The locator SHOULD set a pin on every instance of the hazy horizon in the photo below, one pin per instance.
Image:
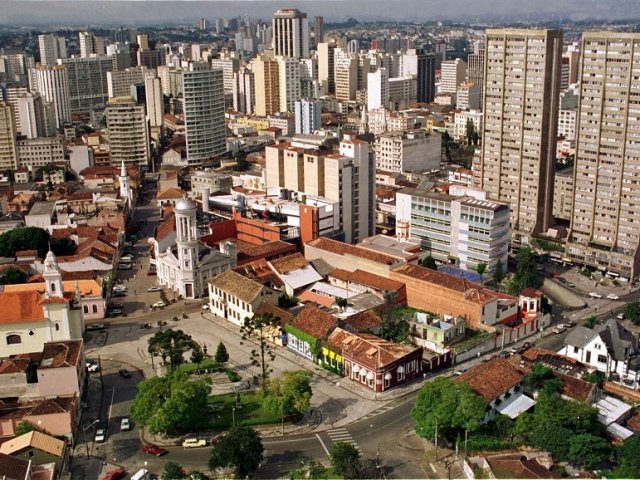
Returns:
(146, 12)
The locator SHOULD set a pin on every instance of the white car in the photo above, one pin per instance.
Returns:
(613, 296)
(155, 288)
(194, 443)
(159, 304)
(119, 288)
(205, 306)
(94, 367)
(101, 435)
(620, 316)
(125, 425)
(595, 295)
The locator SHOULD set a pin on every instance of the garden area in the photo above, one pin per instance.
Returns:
(243, 408)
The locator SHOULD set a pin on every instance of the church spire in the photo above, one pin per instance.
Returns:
(52, 276)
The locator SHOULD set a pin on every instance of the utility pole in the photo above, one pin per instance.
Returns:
(466, 439)
(436, 440)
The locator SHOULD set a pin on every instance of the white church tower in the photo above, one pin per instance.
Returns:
(187, 238)
(52, 276)
(125, 187)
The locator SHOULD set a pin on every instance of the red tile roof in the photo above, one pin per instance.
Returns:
(61, 354)
(277, 312)
(365, 320)
(167, 226)
(315, 322)
(341, 248)
(367, 279)
(492, 379)
(18, 307)
(170, 193)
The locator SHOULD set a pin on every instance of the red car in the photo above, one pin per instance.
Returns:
(554, 275)
(115, 474)
(154, 450)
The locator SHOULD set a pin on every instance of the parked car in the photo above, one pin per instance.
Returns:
(205, 306)
(595, 295)
(158, 304)
(115, 474)
(119, 288)
(101, 432)
(505, 354)
(114, 312)
(554, 275)
(95, 326)
(125, 424)
(118, 294)
(620, 316)
(559, 328)
(151, 449)
(152, 273)
(194, 443)
(458, 372)
(126, 258)
(93, 368)
(124, 373)
(124, 266)
(613, 296)
(154, 288)
(570, 323)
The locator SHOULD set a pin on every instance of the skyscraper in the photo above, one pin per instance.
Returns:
(154, 104)
(87, 81)
(522, 90)
(452, 74)
(318, 30)
(290, 33)
(606, 205)
(8, 149)
(53, 84)
(203, 100)
(128, 131)
(52, 48)
(326, 64)
(378, 89)
(267, 84)
(308, 118)
(416, 62)
(475, 69)
(31, 114)
(243, 91)
(90, 44)
(289, 82)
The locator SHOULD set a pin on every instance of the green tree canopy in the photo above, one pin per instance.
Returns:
(240, 449)
(13, 276)
(172, 345)
(498, 272)
(632, 312)
(24, 427)
(291, 393)
(454, 406)
(185, 408)
(256, 328)
(429, 262)
(589, 451)
(172, 471)
(481, 268)
(151, 395)
(345, 460)
(33, 238)
(221, 354)
(628, 459)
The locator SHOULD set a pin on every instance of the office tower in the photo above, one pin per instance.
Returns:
(8, 150)
(422, 66)
(353, 46)
(606, 205)
(573, 56)
(228, 67)
(143, 41)
(345, 75)
(128, 131)
(87, 81)
(119, 82)
(53, 85)
(150, 59)
(267, 84)
(12, 92)
(203, 113)
(121, 55)
(290, 33)
(154, 101)
(452, 74)
(171, 80)
(90, 44)
(309, 85)
(308, 116)
(289, 82)
(520, 124)
(243, 91)
(402, 92)
(202, 24)
(408, 151)
(52, 48)
(475, 70)
(15, 67)
(318, 30)
(378, 89)
(30, 112)
(326, 63)
(468, 96)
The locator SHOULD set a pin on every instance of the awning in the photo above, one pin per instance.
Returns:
(355, 368)
(370, 376)
(515, 405)
(388, 376)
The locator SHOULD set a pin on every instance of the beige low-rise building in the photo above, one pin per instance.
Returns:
(563, 194)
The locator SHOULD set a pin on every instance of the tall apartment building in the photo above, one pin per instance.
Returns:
(462, 230)
(345, 177)
(452, 74)
(475, 70)
(244, 91)
(128, 131)
(31, 115)
(11, 94)
(203, 113)
(267, 83)
(563, 192)
(604, 229)
(326, 64)
(309, 84)
(409, 151)
(378, 89)
(345, 75)
(154, 104)
(51, 49)
(90, 44)
(290, 33)
(416, 62)
(171, 80)
(520, 124)
(8, 150)
(308, 116)
(468, 96)
(119, 82)
(318, 30)
(289, 83)
(87, 81)
(53, 84)
(403, 91)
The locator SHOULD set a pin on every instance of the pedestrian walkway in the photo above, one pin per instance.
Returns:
(379, 411)
(342, 435)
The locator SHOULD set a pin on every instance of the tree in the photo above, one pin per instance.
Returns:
(553, 438)
(172, 471)
(589, 451)
(13, 276)
(256, 327)
(429, 262)
(221, 354)
(241, 162)
(470, 131)
(290, 394)
(28, 238)
(628, 459)
(197, 355)
(591, 322)
(448, 144)
(526, 268)
(184, 409)
(24, 427)
(151, 395)
(481, 268)
(498, 273)
(345, 460)
(539, 374)
(453, 406)
(240, 449)
(171, 344)
(341, 303)
(632, 312)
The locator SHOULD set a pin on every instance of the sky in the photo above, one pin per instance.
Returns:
(140, 12)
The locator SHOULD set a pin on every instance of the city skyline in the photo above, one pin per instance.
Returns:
(46, 12)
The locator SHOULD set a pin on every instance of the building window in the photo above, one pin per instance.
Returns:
(14, 339)
(85, 309)
(575, 349)
(57, 326)
(95, 309)
(53, 287)
(602, 359)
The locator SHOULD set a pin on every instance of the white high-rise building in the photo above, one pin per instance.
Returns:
(31, 114)
(243, 91)
(90, 44)
(203, 113)
(452, 74)
(228, 67)
(308, 116)
(378, 89)
(289, 82)
(87, 81)
(290, 33)
(8, 149)
(119, 82)
(52, 48)
(128, 131)
(53, 85)
(154, 101)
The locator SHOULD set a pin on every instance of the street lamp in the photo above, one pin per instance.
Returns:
(233, 416)
(84, 434)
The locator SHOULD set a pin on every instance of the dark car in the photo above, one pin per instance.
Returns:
(115, 474)
(124, 373)
(154, 450)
